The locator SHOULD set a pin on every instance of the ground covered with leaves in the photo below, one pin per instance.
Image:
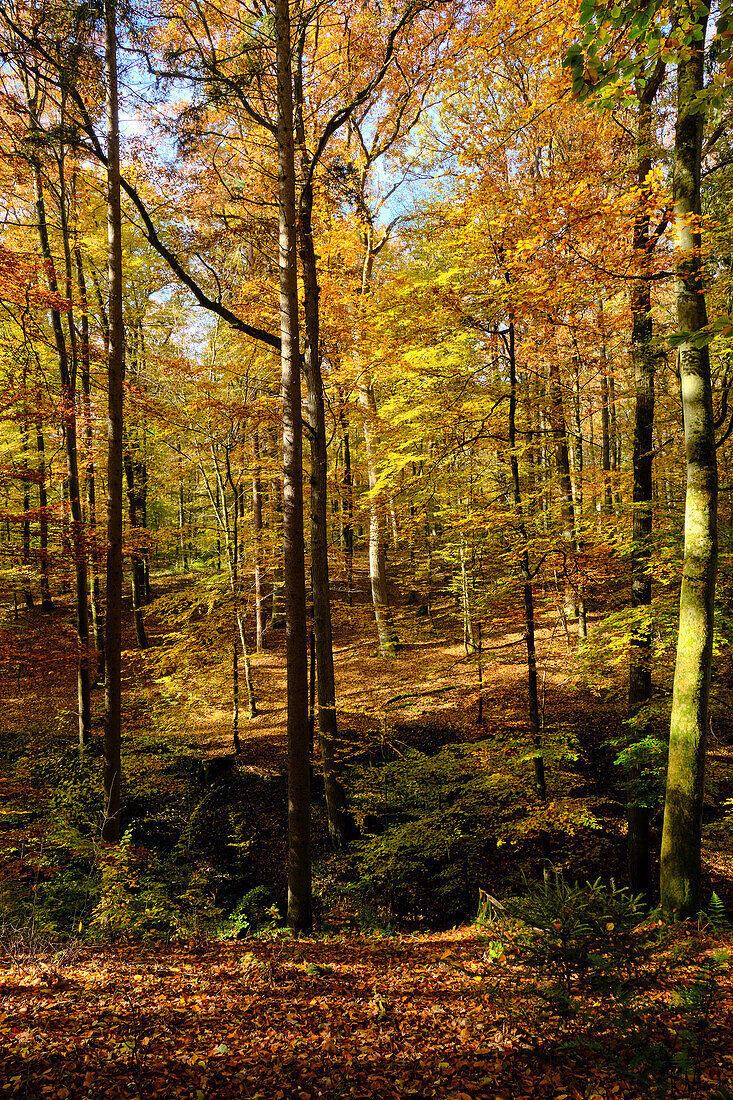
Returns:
(159, 967)
(453, 1015)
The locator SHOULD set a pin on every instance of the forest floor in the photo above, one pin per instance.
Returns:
(440, 1015)
(448, 1014)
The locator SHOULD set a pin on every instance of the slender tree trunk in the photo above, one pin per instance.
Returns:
(46, 601)
(347, 497)
(565, 486)
(388, 641)
(681, 838)
(605, 417)
(248, 681)
(136, 479)
(577, 439)
(338, 818)
(115, 369)
(615, 437)
(529, 620)
(469, 639)
(299, 842)
(640, 678)
(27, 591)
(96, 599)
(233, 549)
(277, 621)
(257, 525)
(182, 545)
(235, 698)
(145, 551)
(138, 563)
(578, 494)
(67, 373)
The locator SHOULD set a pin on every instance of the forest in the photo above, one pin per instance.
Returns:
(366, 576)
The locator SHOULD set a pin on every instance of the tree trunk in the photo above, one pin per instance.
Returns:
(640, 680)
(529, 621)
(615, 438)
(681, 838)
(347, 498)
(138, 562)
(257, 526)
(233, 548)
(46, 601)
(27, 590)
(607, 505)
(469, 638)
(578, 495)
(96, 600)
(182, 546)
(565, 486)
(338, 818)
(235, 698)
(115, 370)
(78, 547)
(299, 843)
(388, 641)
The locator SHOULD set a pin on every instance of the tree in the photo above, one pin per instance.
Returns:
(643, 361)
(115, 375)
(43, 155)
(681, 837)
(299, 855)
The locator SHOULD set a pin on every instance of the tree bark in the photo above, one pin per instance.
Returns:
(681, 838)
(339, 826)
(257, 526)
(138, 562)
(299, 841)
(115, 372)
(578, 494)
(233, 549)
(388, 640)
(565, 485)
(96, 599)
(607, 505)
(27, 590)
(46, 601)
(528, 597)
(347, 501)
(640, 680)
(68, 396)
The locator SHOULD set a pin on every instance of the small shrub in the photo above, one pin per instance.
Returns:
(252, 912)
(428, 833)
(582, 938)
(143, 897)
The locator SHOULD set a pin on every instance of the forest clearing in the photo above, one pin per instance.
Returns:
(365, 549)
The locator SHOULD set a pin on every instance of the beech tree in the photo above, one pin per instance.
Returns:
(115, 374)
(680, 859)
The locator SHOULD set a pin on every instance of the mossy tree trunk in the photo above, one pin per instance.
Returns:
(681, 839)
